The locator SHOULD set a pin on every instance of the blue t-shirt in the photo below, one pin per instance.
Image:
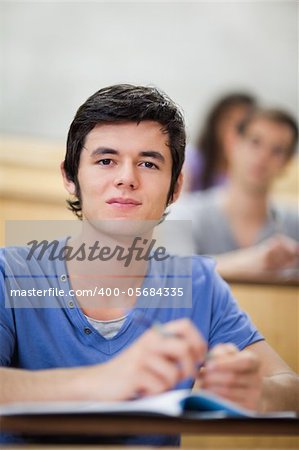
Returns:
(51, 332)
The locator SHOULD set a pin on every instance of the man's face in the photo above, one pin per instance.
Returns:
(124, 172)
(261, 153)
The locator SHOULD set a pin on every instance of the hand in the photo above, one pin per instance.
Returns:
(233, 375)
(258, 262)
(155, 363)
(277, 253)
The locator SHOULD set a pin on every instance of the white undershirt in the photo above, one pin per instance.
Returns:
(107, 328)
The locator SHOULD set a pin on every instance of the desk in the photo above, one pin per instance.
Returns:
(111, 425)
(274, 309)
(230, 434)
(88, 447)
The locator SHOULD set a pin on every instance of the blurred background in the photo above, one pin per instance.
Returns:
(55, 54)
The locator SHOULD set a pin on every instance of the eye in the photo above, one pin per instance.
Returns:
(149, 165)
(255, 141)
(279, 152)
(105, 162)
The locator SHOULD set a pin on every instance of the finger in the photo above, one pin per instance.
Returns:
(149, 384)
(242, 397)
(171, 347)
(184, 329)
(166, 370)
(242, 362)
(229, 379)
(290, 245)
(221, 350)
(285, 257)
(180, 353)
(281, 252)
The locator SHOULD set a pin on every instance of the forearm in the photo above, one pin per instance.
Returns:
(45, 385)
(259, 261)
(280, 392)
(236, 264)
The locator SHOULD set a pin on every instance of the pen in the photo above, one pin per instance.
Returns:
(156, 325)
(160, 328)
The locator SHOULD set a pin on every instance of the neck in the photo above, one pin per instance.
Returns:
(113, 266)
(111, 255)
(245, 203)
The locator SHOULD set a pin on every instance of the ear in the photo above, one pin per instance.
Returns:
(68, 184)
(178, 187)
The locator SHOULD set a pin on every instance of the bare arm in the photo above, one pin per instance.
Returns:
(18, 385)
(153, 364)
(255, 378)
(280, 385)
(271, 256)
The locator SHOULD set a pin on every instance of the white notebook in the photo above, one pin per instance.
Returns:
(173, 404)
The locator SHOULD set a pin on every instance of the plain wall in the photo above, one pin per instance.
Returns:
(55, 54)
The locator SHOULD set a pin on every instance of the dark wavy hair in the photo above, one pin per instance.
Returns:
(208, 142)
(118, 104)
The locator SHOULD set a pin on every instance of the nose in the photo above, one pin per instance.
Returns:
(264, 154)
(127, 177)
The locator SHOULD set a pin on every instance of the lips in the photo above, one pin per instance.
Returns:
(120, 201)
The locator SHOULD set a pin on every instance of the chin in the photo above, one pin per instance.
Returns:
(124, 226)
(258, 188)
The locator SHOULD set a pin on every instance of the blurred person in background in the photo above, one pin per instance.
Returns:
(238, 223)
(207, 162)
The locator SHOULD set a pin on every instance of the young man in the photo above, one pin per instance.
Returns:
(125, 152)
(250, 236)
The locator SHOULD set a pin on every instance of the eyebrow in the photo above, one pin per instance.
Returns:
(110, 151)
(103, 151)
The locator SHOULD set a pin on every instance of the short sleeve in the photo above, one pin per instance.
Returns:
(7, 329)
(229, 322)
(218, 313)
